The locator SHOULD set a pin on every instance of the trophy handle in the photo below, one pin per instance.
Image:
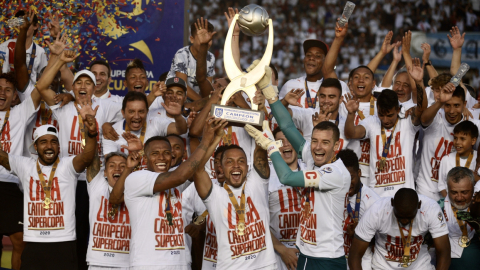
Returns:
(238, 80)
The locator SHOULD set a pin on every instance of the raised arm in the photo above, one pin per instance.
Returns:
(175, 109)
(204, 37)
(20, 55)
(186, 170)
(236, 36)
(442, 250)
(456, 40)
(352, 131)
(199, 122)
(328, 68)
(397, 57)
(94, 168)
(386, 48)
(116, 196)
(429, 113)
(416, 72)
(48, 95)
(84, 159)
(432, 72)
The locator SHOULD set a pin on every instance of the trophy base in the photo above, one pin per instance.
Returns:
(236, 116)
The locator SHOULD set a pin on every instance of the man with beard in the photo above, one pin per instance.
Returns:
(439, 122)
(464, 244)
(247, 222)
(108, 250)
(320, 240)
(153, 198)
(102, 72)
(137, 122)
(285, 204)
(72, 134)
(49, 203)
(391, 137)
(360, 199)
(399, 225)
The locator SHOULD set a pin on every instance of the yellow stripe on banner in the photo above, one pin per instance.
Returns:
(112, 251)
(44, 229)
(170, 248)
(400, 183)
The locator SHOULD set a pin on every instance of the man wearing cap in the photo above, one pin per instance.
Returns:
(72, 135)
(49, 197)
(315, 51)
(135, 111)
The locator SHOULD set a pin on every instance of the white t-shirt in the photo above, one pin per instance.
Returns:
(70, 136)
(379, 221)
(437, 142)
(361, 147)
(39, 62)
(12, 137)
(185, 62)
(454, 231)
(154, 242)
(313, 88)
(109, 243)
(254, 250)
(285, 204)
(321, 234)
(108, 95)
(407, 104)
(56, 224)
(398, 171)
(241, 138)
(368, 198)
(449, 162)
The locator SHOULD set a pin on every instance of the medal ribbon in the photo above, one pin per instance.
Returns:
(7, 115)
(200, 219)
(406, 242)
(311, 103)
(469, 160)
(32, 58)
(462, 224)
(372, 109)
(227, 138)
(82, 129)
(240, 210)
(386, 144)
(354, 215)
(47, 187)
(45, 113)
(168, 209)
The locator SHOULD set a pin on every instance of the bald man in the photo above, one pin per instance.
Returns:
(399, 225)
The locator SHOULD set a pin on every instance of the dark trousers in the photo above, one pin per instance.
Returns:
(52, 256)
(82, 223)
(310, 263)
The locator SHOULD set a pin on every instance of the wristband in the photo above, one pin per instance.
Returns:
(92, 135)
(272, 148)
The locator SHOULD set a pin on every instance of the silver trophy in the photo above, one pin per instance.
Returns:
(462, 70)
(347, 12)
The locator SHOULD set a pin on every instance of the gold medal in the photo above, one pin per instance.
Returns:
(241, 228)
(405, 261)
(47, 202)
(382, 163)
(199, 220)
(113, 211)
(464, 241)
(306, 210)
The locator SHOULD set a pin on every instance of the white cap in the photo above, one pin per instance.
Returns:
(85, 72)
(39, 132)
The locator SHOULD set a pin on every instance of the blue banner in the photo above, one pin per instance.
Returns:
(150, 30)
(441, 55)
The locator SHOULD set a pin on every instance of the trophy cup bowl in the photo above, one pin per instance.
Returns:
(254, 20)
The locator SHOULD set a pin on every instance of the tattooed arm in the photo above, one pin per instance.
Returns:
(260, 162)
(94, 168)
(416, 72)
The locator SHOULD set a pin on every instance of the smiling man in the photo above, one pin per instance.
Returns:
(101, 70)
(136, 76)
(391, 138)
(439, 122)
(49, 186)
(153, 198)
(399, 225)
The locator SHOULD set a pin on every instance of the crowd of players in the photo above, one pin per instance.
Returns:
(340, 174)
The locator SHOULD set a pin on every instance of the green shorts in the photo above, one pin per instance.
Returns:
(311, 263)
(470, 259)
